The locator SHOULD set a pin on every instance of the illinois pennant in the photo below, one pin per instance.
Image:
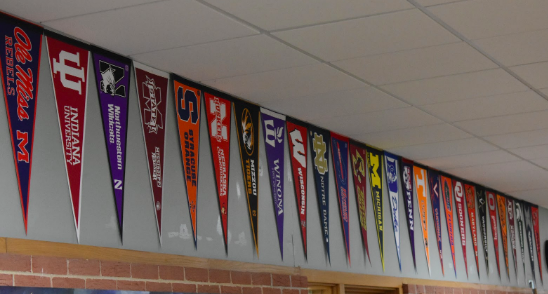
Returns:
(435, 201)
(459, 200)
(188, 103)
(529, 232)
(374, 164)
(501, 203)
(358, 156)
(296, 138)
(492, 204)
(391, 169)
(152, 91)
(421, 186)
(20, 68)
(339, 147)
(512, 229)
(273, 130)
(247, 127)
(406, 172)
(447, 192)
(482, 212)
(470, 192)
(534, 214)
(218, 123)
(69, 72)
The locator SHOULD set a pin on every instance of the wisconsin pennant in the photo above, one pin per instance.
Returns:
(218, 114)
(512, 229)
(296, 138)
(69, 71)
(391, 162)
(319, 147)
(459, 201)
(492, 204)
(358, 156)
(529, 234)
(339, 147)
(470, 194)
(152, 88)
(447, 192)
(20, 70)
(188, 105)
(406, 172)
(521, 234)
(435, 201)
(421, 186)
(534, 214)
(273, 130)
(501, 203)
(374, 164)
(482, 213)
(247, 128)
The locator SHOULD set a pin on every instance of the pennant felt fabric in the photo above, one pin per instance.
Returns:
(112, 77)
(69, 71)
(501, 204)
(374, 165)
(534, 214)
(247, 127)
(482, 213)
(519, 222)
(296, 138)
(273, 131)
(218, 114)
(358, 156)
(406, 174)
(447, 192)
(459, 201)
(512, 230)
(492, 205)
(20, 69)
(529, 234)
(435, 191)
(421, 186)
(391, 162)
(470, 194)
(339, 149)
(319, 147)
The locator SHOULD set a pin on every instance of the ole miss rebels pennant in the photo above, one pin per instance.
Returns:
(339, 147)
(20, 69)
(470, 194)
(374, 165)
(501, 203)
(534, 214)
(391, 162)
(421, 186)
(459, 200)
(69, 71)
(435, 201)
(529, 235)
(152, 87)
(447, 192)
(296, 138)
(319, 147)
(188, 105)
(247, 127)
(358, 156)
(218, 114)
(482, 213)
(512, 229)
(406, 173)
(273, 130)
(521, 234)
(112, 77)
(492, 205)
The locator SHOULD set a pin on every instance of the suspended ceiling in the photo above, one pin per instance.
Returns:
(457, 85)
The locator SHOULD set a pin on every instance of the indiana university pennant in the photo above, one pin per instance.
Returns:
(69, 71)
(501, 204)
(470, 194)
(482, 213)
(152, 88)
(298, 144)
(247, 128)
(374, 165)
(519, 222)
(339, 148)
(391, 162)
(273, 131)
(319, 147)
(447, 192)
(492, 205)
(459, 201)
(512, 229)
(435, 190)
(20, 69)
(358, 156)
(529, 234)
(421, 186)
(188, 103)
(218, 113)
(406, 172)
(534, 214)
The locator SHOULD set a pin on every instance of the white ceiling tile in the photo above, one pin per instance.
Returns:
(531, 152)
(484, 107)
(542, 162)
(287, 83)
(154, 26)
(468, 160)
(413, 136)
(520, 139)
(347, 102)
(417, 64)
(444, 149)
(227, 58)
(39, 11)
(519, 48)
(436, 2)
(377, 121)
(535, 74)
(282, 14)
(545, 91)
(537, 196)
(506, 124)
(391, 32)
(488, 18)
(456, 87)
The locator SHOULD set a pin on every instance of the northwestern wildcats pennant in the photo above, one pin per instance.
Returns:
(435, 201)
(492, 205)
(534, 214)
(406, 173)
(501, 203)
(421, 186)
(391, 168)
(20, 69)
(459, 201)
(470, 193)
(374, 164)
(339, 147)
(447, 192)
(358, 156)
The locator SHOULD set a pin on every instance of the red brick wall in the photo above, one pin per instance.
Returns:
(57, 272)
(424, 289)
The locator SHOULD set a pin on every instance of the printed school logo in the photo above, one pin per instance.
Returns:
(391, 174)
(219, 128)
(153, 97)
(111, 75)
(64, 70)
(319, 160)
(247, 132)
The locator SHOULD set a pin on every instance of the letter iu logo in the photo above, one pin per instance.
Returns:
(64, 69)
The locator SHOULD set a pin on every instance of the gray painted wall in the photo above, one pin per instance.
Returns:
(51, 219)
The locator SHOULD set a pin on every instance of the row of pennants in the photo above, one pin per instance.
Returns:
(68, 59)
